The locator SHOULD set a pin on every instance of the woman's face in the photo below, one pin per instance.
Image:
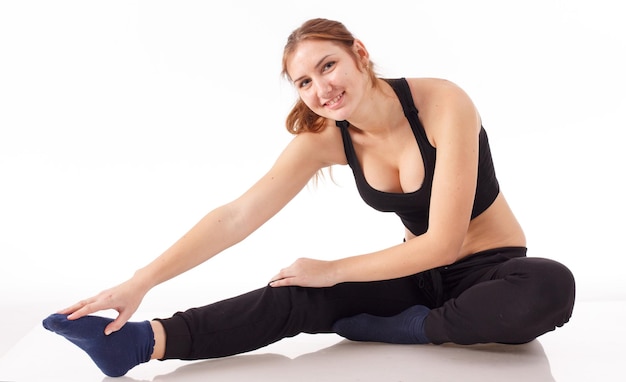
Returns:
(327, 78)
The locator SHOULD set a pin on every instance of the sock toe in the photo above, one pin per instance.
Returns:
(114, 354)
(55, 322)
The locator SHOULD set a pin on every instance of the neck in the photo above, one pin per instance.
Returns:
(379, 112)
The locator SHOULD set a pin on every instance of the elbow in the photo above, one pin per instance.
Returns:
(447, 249)
(449, 258)
(232, 222)
(444, 257)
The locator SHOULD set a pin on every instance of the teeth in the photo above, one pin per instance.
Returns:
(334, 100)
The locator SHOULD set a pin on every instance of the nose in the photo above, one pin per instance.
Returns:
(323, 88)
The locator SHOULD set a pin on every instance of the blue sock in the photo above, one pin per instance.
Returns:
(404, 328)
(114, 354)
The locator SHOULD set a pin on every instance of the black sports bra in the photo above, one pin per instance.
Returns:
(413, 207)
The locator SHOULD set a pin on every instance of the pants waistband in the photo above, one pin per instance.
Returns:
(482, 258)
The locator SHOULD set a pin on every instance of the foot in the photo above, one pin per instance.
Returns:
(115, 353)
(404, 328)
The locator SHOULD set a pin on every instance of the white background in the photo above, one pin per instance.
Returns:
(123, 122)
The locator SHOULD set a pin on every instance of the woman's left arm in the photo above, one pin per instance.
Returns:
(453, 125)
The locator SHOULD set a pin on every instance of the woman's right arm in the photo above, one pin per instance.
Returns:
(222, 227)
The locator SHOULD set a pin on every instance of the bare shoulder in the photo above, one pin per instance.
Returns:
(429, 92)
(324, 147)
(442, 103)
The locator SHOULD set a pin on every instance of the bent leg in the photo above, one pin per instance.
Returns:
(515, 302)
(266, 315)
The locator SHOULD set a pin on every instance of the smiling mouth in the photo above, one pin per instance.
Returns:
(334, 100)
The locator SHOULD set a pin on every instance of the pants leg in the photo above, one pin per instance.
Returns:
(511, 302)
(266, 315)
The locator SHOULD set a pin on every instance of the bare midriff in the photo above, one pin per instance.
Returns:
(496, 227)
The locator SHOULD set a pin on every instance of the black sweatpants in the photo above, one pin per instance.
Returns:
(498, 295)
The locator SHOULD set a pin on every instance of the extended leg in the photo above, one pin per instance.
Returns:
(263, 316)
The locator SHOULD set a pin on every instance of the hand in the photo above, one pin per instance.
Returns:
(124, 298)
(307, 273)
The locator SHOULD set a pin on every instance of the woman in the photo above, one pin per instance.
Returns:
(416, 147)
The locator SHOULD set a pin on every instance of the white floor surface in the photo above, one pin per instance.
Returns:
(589, 347)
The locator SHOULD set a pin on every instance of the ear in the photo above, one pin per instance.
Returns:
(361, 52)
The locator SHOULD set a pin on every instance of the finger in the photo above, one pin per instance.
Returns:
(89, 308)
(276, 278)
(85, 310)
(283, 274)
(79, 305)
(117, 324)
(285, 281)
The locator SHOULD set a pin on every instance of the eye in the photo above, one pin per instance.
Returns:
(328, 66)
(304, 83)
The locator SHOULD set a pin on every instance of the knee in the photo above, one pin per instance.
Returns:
(291, 307)
(556, 283)
(550, 289)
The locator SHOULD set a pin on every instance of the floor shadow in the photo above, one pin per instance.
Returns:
(354, 361)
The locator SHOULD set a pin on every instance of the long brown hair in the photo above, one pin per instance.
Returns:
(302, 119)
